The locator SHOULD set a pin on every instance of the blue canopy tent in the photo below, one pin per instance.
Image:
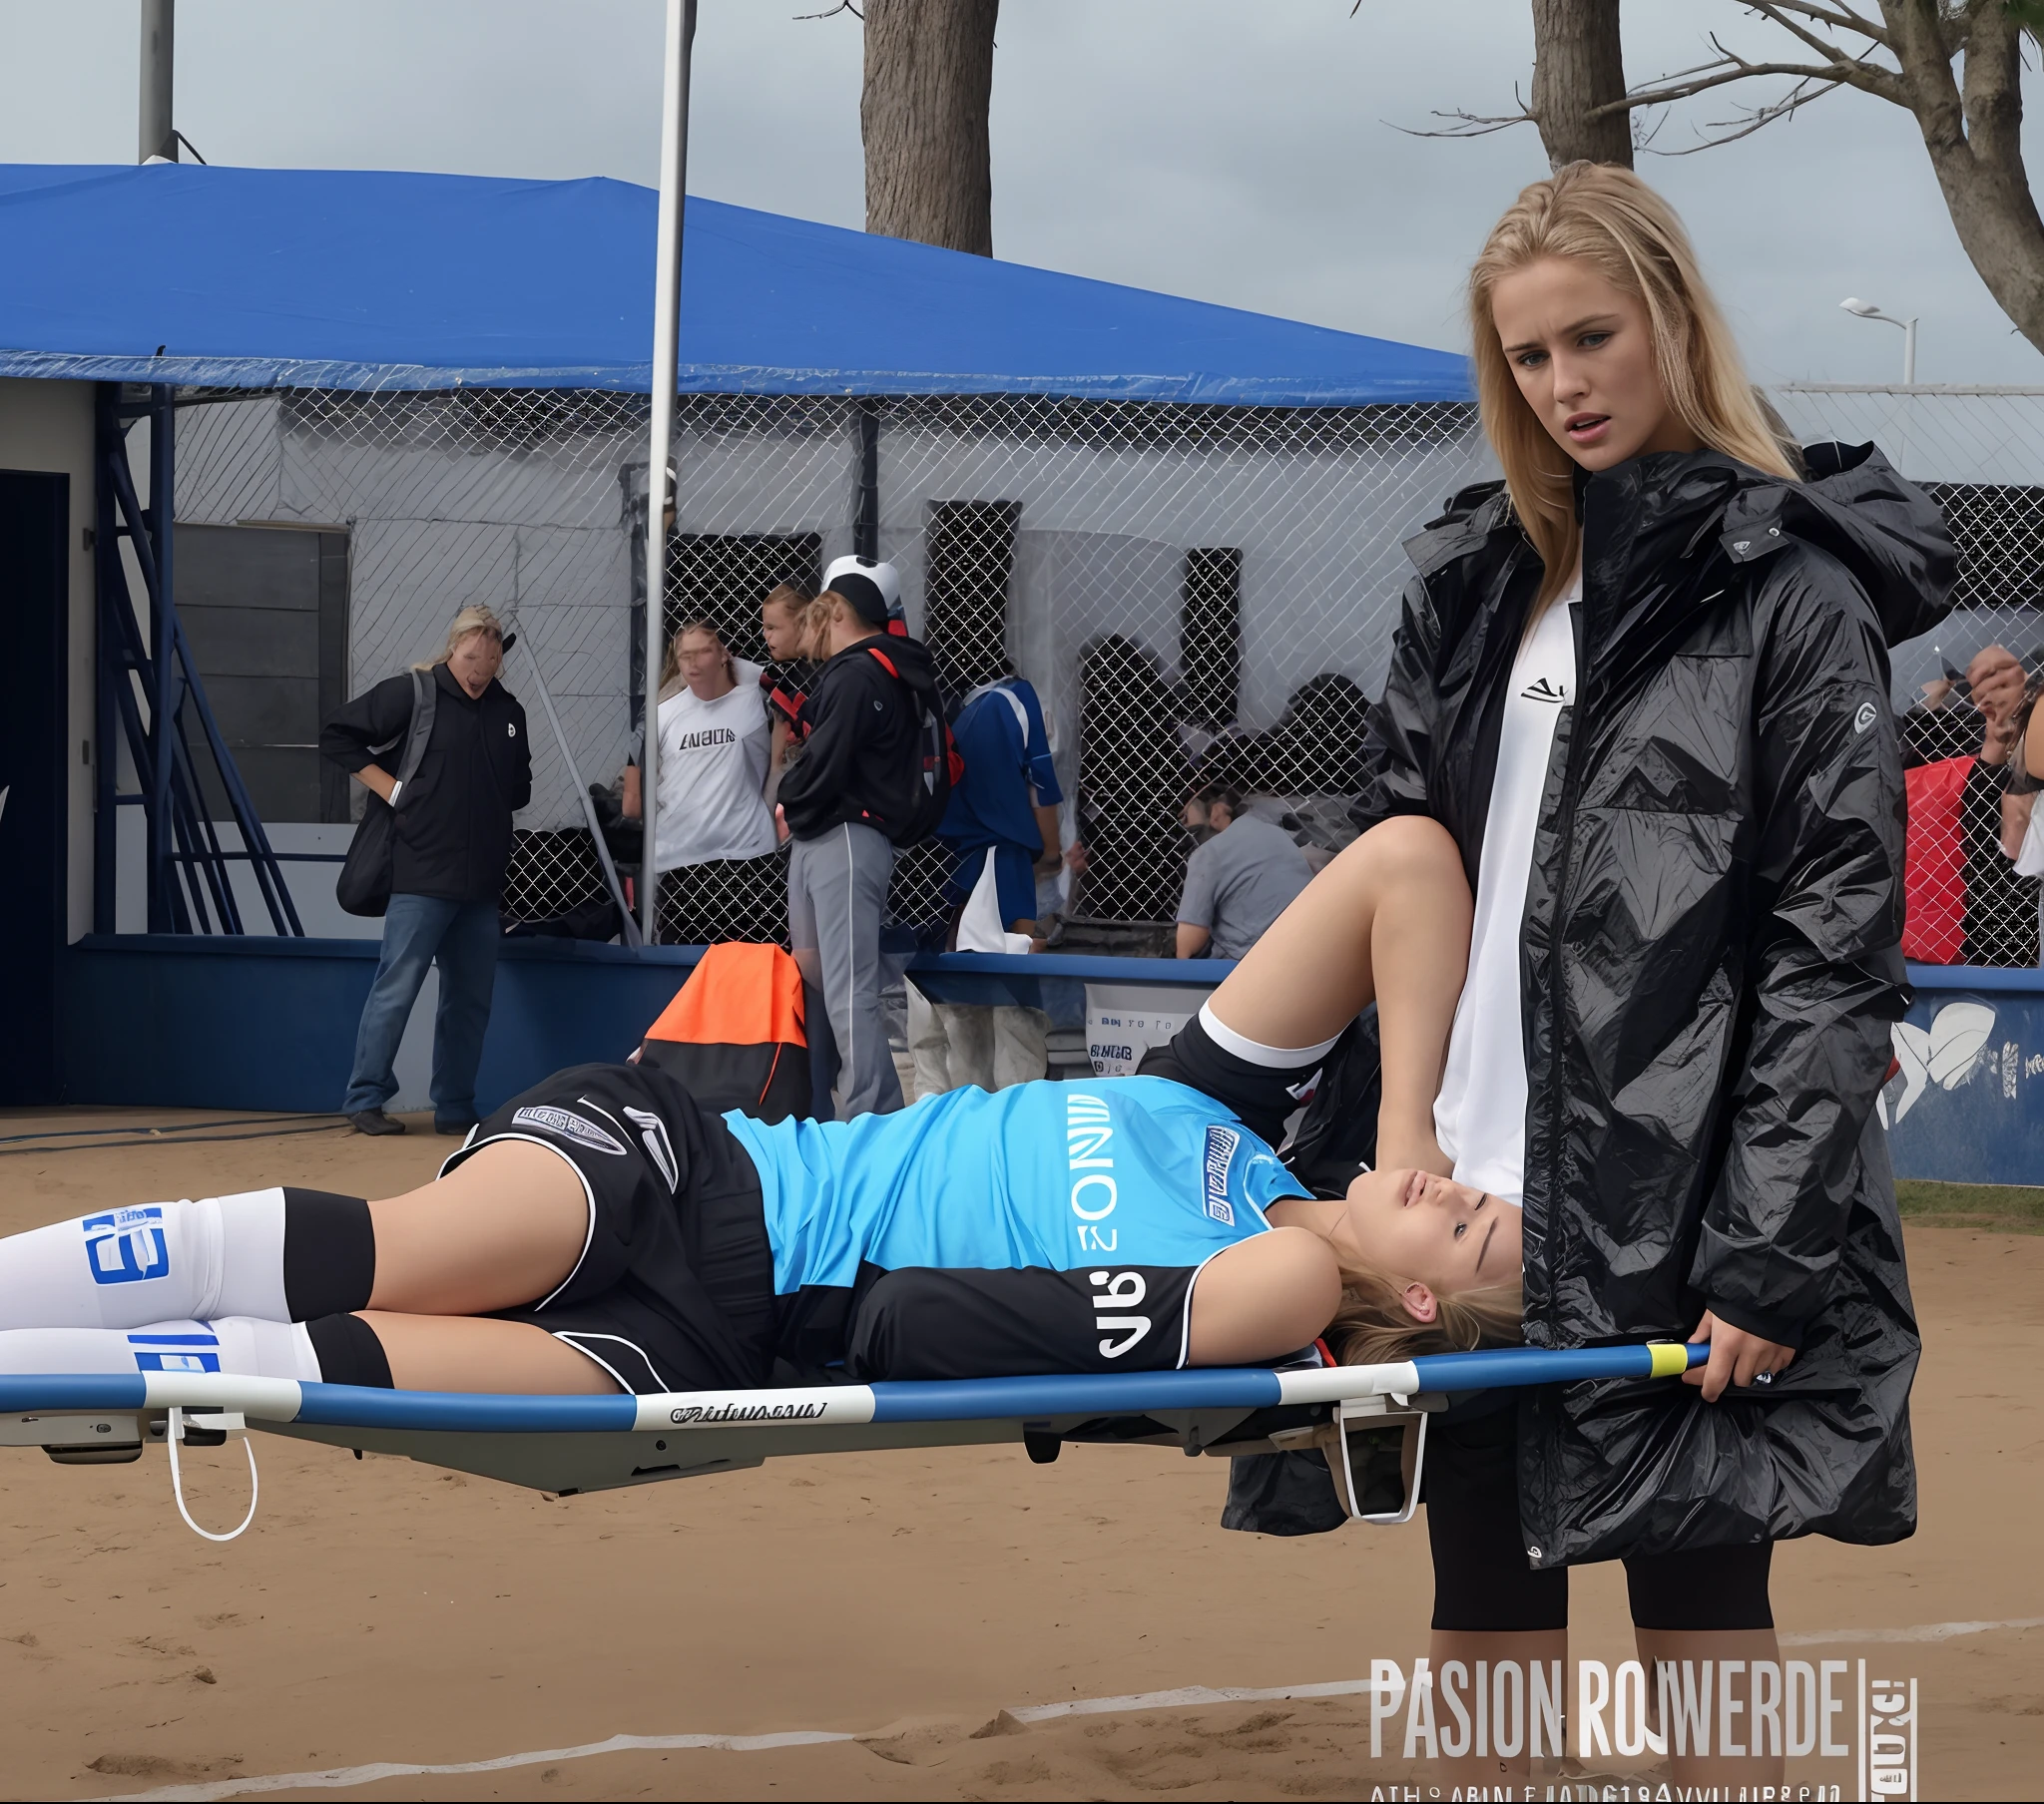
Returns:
(451, 372)
(322, 278)
(203, 282)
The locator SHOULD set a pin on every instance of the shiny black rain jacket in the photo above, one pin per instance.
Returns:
(1712, 966)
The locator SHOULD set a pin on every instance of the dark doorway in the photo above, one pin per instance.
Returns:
(35, 510)
(1210, 634)
(266, 610)
(723, 577)
(971, 554)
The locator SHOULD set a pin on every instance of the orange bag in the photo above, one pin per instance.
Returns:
(733, 1034)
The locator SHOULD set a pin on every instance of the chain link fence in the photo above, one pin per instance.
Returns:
(1199, 594)
(1979, 454)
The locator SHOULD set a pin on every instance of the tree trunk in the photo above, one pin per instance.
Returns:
(929, 79)
(1974, 137)
(1577, 66)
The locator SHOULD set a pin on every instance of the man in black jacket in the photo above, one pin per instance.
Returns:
(843, 801)
(453, 840)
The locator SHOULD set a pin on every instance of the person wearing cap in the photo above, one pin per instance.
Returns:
(452, 844)
(842, 802)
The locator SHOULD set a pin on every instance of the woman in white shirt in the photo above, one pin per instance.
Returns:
(721, 875)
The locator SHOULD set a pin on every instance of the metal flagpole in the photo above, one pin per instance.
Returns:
(667, 296)
(156, 138)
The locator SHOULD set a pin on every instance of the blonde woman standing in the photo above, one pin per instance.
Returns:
(452, 844)
(1644, 685)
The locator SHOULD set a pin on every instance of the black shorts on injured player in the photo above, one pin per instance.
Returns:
(674, 1287)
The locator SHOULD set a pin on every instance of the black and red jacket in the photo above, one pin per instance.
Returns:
(785, 684)
(862, 759)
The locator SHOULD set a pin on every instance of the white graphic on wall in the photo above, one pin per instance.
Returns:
(1945, 1054)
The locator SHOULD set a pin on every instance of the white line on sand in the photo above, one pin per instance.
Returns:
(334, 1778)
(1187, 1694)
(338, 1779)
(1922, 1632)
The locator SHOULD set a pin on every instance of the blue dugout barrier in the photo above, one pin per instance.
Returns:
(249, 1023)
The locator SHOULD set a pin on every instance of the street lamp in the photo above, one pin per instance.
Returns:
(1866, 309)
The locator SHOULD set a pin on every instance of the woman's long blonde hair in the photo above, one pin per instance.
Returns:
(474, 618)
(1371, 1327)
(1610, 220)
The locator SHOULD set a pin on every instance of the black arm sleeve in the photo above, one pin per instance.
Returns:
(1826, 977)
(920, 1322)
(1399, 740)
(375, 717)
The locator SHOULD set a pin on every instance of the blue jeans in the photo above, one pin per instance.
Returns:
(417, 931)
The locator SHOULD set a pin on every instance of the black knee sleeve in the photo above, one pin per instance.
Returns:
(1264, 1096)
(349, 1351)
(1707, 1588)
(329, 1254)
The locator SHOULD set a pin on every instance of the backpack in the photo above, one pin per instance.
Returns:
(734, 1036)
(940, 766)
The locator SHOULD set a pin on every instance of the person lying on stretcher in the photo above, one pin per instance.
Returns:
(603, 1231)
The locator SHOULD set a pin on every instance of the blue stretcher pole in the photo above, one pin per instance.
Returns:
(795, 1408)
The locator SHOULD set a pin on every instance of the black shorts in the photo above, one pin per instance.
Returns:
(674, 1287)
(1483, 1584)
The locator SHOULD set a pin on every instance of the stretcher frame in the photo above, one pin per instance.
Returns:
(564, 1446)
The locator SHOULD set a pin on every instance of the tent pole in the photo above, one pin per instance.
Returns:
(667, 298)
(865, 526)
(154, 133)
(163, 633)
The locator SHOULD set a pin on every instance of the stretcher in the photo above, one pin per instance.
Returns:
(1368, 1421)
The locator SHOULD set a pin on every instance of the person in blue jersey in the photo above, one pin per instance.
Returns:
(1004, 811)
(605, 1231)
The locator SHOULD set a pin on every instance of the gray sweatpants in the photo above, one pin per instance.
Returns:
(836, 889)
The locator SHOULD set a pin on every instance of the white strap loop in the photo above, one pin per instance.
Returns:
(177, 1427)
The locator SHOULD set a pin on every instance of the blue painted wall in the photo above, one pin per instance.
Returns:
(270, 1024)
(1967, 1105)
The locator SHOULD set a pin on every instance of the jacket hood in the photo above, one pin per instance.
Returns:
(1854, 505)
(910, 659)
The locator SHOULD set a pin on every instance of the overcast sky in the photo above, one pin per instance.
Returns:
(1235, 151)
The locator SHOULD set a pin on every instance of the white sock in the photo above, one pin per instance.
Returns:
(152, 1262)
(1254, 1052)
(242, 1344)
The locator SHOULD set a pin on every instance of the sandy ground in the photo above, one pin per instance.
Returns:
(385, 1612)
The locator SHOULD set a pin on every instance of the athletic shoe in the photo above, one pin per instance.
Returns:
(441, 1126)
(373, 1120)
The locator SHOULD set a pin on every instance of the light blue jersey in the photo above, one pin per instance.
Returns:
(1134, 1171)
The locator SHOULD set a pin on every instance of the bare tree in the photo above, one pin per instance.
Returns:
(1578, 71)
(1579, 88)
(929, 75)
(1955, 66)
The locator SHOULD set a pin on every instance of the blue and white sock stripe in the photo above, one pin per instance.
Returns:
(990, 1399)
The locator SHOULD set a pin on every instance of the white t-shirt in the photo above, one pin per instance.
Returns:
(712, 772)
(1479, 1117)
